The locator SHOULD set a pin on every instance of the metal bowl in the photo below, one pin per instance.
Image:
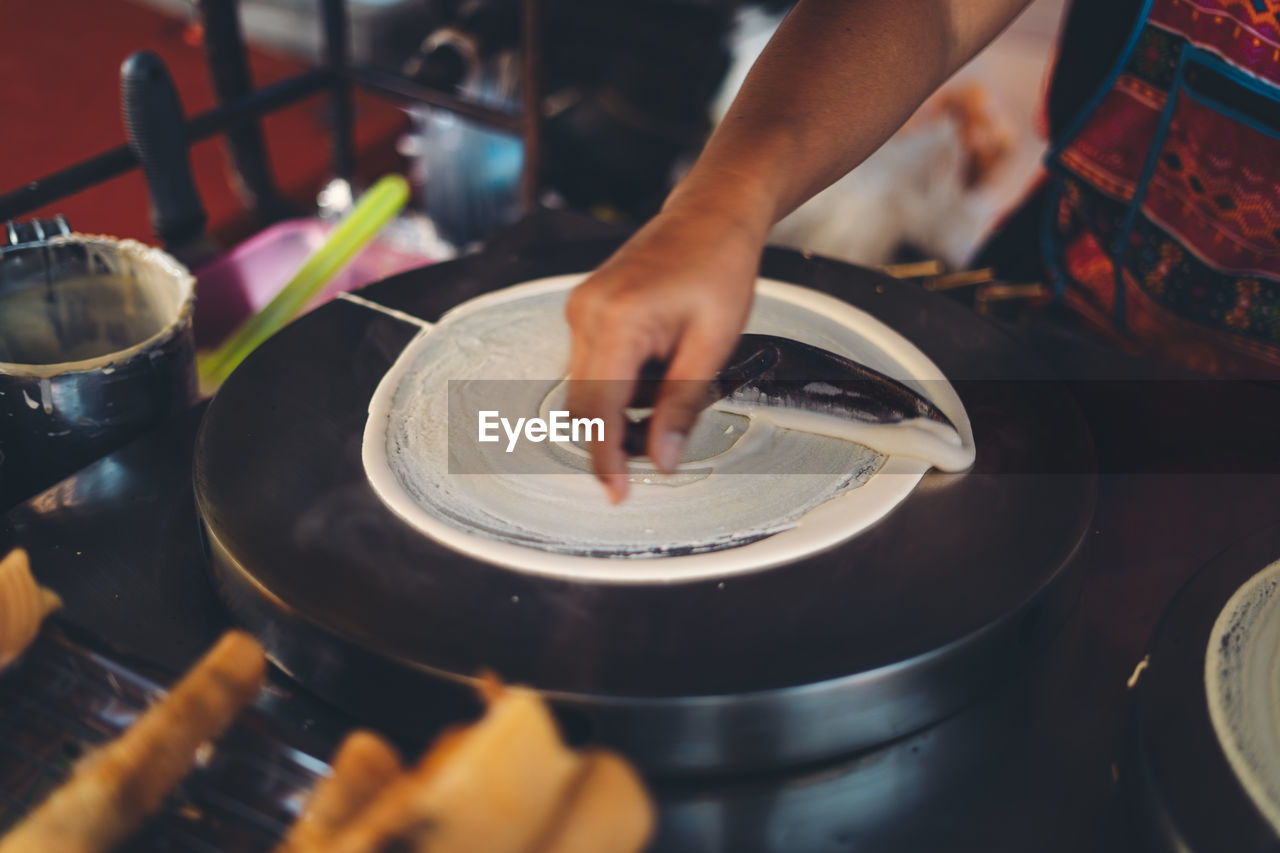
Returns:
(95, 349)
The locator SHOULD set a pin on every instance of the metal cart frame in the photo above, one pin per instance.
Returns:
(336, 75)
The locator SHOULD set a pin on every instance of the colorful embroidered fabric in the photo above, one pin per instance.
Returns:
(1166, 225)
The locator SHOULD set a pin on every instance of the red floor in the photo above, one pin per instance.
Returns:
(59, 98)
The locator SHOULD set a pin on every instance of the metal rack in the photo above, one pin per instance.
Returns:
(337, 75)
(63, 700)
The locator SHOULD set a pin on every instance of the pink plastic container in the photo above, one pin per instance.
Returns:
(243, 280)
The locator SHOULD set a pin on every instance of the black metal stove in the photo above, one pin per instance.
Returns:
(1030, 764)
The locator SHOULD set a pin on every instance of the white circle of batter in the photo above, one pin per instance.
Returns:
(1242, 684)
(406, 459)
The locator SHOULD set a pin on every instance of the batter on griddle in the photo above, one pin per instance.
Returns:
(749, 494)
(543, 496)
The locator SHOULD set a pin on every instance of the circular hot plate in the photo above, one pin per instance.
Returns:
(846, 648)
(1187, 795)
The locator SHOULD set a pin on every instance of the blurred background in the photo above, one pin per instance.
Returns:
(629, 92)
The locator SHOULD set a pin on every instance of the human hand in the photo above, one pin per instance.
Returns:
(678, 291)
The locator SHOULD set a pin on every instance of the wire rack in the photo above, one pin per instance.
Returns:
(61, 700)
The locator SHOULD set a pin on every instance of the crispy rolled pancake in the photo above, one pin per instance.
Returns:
(116, 787)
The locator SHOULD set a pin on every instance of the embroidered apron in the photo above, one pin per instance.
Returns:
(1163, 223)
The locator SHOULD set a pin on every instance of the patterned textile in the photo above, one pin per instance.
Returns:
(1166, 226)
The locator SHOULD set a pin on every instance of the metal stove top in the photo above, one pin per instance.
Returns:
(1032, 765)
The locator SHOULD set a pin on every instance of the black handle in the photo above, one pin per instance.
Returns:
(156, 126)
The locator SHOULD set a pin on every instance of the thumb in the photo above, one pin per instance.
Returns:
(684, 395)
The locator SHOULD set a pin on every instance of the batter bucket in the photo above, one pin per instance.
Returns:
(95, 348)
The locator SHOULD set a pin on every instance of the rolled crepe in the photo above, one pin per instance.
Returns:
(119, 785)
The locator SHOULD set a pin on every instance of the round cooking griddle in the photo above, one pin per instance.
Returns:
(732, 509)
(1188, 797)
(847, 648)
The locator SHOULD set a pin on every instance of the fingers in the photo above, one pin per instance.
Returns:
(602, 373)
(601, 398)
(678, 291)
(700, 354)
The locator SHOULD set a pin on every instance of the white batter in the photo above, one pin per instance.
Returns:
(136, 296)
(742, 507)
(1242, 684)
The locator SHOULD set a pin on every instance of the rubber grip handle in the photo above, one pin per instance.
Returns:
(156, 126)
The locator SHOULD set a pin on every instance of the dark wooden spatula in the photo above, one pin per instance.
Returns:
(771, 372)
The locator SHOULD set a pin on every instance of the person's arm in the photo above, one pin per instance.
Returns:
(835, 81)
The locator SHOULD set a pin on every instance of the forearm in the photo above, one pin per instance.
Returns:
(837, 79)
